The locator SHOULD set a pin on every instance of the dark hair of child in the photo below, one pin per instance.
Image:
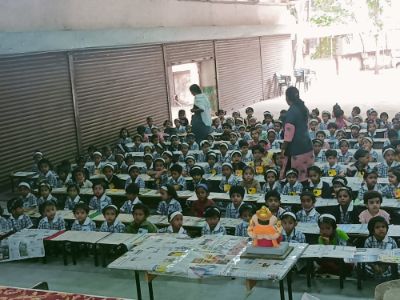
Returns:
(123, 129)
(44, 161)
(332, 125)
(73, 185)
(272, 193)
(330, 153)
(316, 169)
(101, 183)
(372, 194)
(212, 211)
(396, 172)
(141, 207)
(373, 221)
(237, 189)
(110, 206)
(329, 221)
(308, 194)
(133, 189)
(246, 207)
(366, 174)
(47, 204)
(171, 191)
(243, 143)
(81, 205)
(176, 168)
(347, 190)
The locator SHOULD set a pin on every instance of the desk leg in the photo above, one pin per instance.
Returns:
(149, 278)
(308, 271)
(359, 276)
(395, 271)
(289, 285)
(138, 288)
(74, 251)
(341, 276)
(96, 257)
(282, 289)
(103, 254)
(64, 253)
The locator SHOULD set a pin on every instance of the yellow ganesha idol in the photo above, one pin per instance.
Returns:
(265, 229)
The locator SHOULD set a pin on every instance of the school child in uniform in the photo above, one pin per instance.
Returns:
(45, 173)
(344, 155)
(326, 116)
(224, 156)
(236, 194)
(373, 202)
(108, 155)
(345, 212)
(197, 173)
(308, 213)
(237, 164)
(134, 177)
(111, 181)
(175, 143)
(73, 197)
(191, 140)
(361, 165)
(243, 134)
(121, 167)
(205, 147)
(17, 220)
(273, 202)
(137, 143)
(249, 114)
(185, 152)
(246, 211)
(132, 193)
(332, 127)
(4, 226)
(392, 190)
(384, 123)
(337, 183)
(99, 199)
(316, 185)
(228, 179)
(212, 167)
(332, 168)
(321, 135)
(367, 144)
(216, 125)
(95, 167)
(268, 122)
(359, 143)
(29, 200)
(45, 194)
(79, 176)
(159, 173)
(292, 187)
(319, 155)
(271, 136)
(251, 185)
(370, 183)
(51, 219)
(271, 181)
(111, 223)
(175, 220)
(378, 238)
(140, 225)
(37, 156)
(190, 162)
(182, 117)
(176, 179)
(389, 162)
(260, 161)
(62, 173)
(312, 128)
(169, 202)
(393, 137)
(371, 130)
(199, 206)
(82, 221)
(167, 156)
(213, 225)
(233, 141)
(124, 137)
(247, 156)
(289, 233)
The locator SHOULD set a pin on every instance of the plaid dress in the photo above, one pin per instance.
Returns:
(126, 208)
(4, 225)
(165, 208)
(227, 183)
(292, 190)
(22, 222)
(180, 181)
(29, 201)
(218, 230)
(383, 168)
(311, 217)
(295, 236)
(57, 223)
(169, 229)
(232, 212)
(386, 244)
(99, 203)
(116, 227)
(88, 225)
(241, 229)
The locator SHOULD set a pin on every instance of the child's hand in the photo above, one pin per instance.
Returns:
(325, 240)
(377, 269)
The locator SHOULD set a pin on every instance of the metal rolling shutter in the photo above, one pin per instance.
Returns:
(36, 111)
(276, 58)
(238, 72)
(180, 53)
(118, 88)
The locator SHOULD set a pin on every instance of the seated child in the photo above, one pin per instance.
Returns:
(111, 223)
(134, 177)
(271, 136)
(390, 162)
(51, 220)
(176, 180)
(392, 190)
(246, 211)
(37, 156)
(317, 186)
(205, 147)
(247, 156)
(337, 183)
(228, 179)
(333, 168)
(326, 116)
(110, 180)
(82, 221)
(45, 173)
(99, 199)
(197, 173)
(345, 212)
(321, 135)
(308, 213)
(289, 232)
(169, 202)
(319, 155)
(251, 185)
(73, 197)
(96, 166)
(175, 220)
(237, 164)
(378, 238)
(271, 181)
(132, 193)
(292, 187)
(273, 202)
(62, 172)
(360, 166)
(233, 141)
(370, 183)
(198, 207)
(190, 161)
(121, 166)
(312, 125)
(79, 177)
(332, 127)
(4, 226)
(224, 157)
(140, 225)
(373, 201)
(236, 194)
(45, 194)
(17, 220)
(185, 152)
(191, 140)
(367, 144)
(159, 173)
(212, 167)
(260, 161)
(344, 155)
(29, 200)
(355, 131)
(213, 225)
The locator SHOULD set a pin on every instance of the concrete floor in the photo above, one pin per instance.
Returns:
(85, 278)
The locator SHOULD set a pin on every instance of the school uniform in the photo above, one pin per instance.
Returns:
(365, 216)
(226, 183)
(128, 205)
(57, 223)
(246, 137)
(70, 203)
(224, 159)
(88, 225)
(387, 243)
(355, 170)
(311, 217)
(232, 212)
(238, 168)
(138, 180)
(275, 145)
(137, 148)
(87, 184)
(296, 236)
(179, 181)
(50, 198)
(4, 225)
(340, 238)
(169, 229)
(114, 183)
(165, 208)
(391, 191)
(350, 216)
(320, 157)
(213, 170)
(198, 207)
(99, 203)
(158, 182)
(251, 187)
(122, 168)
(218, 230)
(116, 227)
(279, 213)
(292, 190)
(321, 189)
(383, 168)
(267, 126)
(248, 157)
(332, 171)
(241, 229)
(192, 185)
(323, 126)
(202, 157)
(93, 169)
(194, 146)
(182, 157)
(234, 146)
(276, 186)
(344, 157)
(49, 177)
(110, 158)
(312, 134)
(22, 222)
(29, 201)
(364, 188)
(145, 227)
(374, 155)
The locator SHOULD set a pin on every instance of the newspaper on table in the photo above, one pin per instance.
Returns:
(390, 256)
(90, 237)
(24, 244)
(394, 230)
(365, 255)
(329, 251)
(392, 203)
(307, 228)
(359, 229)
(127, 239)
